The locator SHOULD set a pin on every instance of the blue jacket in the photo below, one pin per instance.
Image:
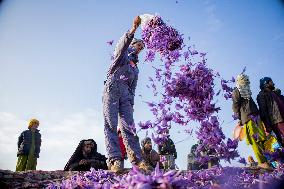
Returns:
(25, 142)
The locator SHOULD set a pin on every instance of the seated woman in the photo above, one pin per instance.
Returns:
(85, 157)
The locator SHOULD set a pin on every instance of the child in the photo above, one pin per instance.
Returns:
(29, 143)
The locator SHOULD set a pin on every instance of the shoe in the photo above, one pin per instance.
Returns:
(143, 166)
(264, 166)
(116, 166)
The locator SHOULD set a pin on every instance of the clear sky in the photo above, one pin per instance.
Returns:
(54, 58)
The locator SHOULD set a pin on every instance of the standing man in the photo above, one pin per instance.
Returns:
(118, 101)
(29, 143)
(246, 111)
(168, 151)
(271, 106)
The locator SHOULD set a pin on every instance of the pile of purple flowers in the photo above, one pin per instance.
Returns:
(161, 38)
(217, 177)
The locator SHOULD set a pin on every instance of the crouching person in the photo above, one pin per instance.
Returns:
(29, 143)
(150, 156)
(168, 151)
(85, 157)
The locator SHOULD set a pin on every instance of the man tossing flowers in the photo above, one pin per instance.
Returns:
(118, 101)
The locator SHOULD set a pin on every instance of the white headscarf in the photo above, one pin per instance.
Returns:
(243, 85)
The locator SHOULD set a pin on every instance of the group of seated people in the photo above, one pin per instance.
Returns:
(86, 156)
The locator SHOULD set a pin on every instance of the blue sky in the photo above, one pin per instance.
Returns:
(54, 58)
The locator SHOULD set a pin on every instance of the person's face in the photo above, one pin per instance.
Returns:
(88, 148)
(271, 85)
(139, 46)
(148, 145)
(34, 126)
(166, 132)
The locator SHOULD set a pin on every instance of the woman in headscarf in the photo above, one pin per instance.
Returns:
(246, 111)
(85, 157)
(118, 101)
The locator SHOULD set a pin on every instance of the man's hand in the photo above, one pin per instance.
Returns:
(136, 22)
(83, 162)
(135, 25)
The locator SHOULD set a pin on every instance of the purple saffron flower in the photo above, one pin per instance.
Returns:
(110, 42)
(235, 116)
(150, 56)
(243, 161)
(186, 55)
(145, 125)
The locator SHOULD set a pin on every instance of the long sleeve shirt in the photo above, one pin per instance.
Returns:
(120, 70)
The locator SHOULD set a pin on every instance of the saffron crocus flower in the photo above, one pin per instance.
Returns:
(235, 116)
(150, 56)
(226, 177)
(110, 42)
(243, 161)
(145, 125)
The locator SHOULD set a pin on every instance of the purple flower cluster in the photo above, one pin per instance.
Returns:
(217, 177)
(90, 180)
(187, 93)
(194, 87)
(162, 39)
(212, 145)
(227, 89)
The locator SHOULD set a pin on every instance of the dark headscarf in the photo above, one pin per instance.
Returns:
(144, 141)
(263, 82)
(193, 148)
(79, 153)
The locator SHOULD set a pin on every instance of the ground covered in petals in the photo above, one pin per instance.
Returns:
(226, 177)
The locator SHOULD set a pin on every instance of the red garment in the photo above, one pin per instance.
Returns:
(122, 147)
